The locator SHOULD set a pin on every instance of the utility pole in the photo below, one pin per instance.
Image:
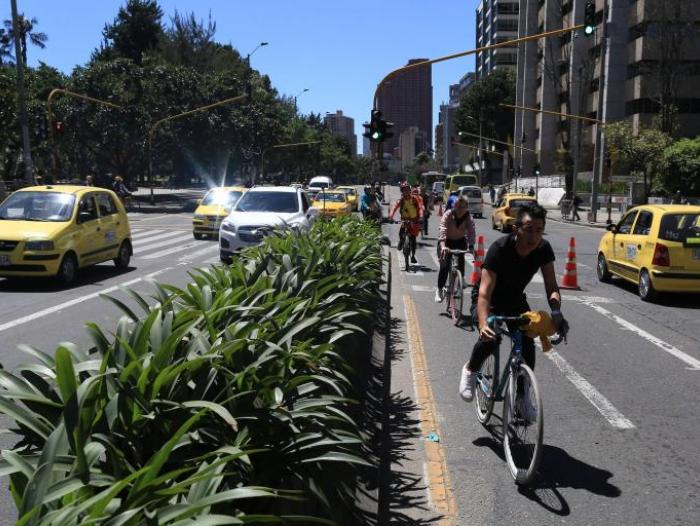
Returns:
(22, 100)
(599, 135)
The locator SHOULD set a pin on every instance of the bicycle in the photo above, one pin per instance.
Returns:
(454, 296)
(410, 246)
(518, 390)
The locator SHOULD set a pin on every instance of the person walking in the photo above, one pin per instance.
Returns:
(120, 189)
(575, 208)
(492, 194)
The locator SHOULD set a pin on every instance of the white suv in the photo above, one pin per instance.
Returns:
(258, 211)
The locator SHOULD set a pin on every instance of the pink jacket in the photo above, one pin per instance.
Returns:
(450, 230)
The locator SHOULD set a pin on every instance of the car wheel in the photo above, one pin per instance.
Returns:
(68, 269)
(124, 255)
(646, 287)
(198, 236)
(604, 275)
(225, 257)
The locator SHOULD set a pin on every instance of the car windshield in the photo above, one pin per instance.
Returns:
(464, 180)
(38, 206)
(472, 192)
(517, 203)
(335, 197)
(220, 197)
(280, 202)
(349, 191)
(680, 227)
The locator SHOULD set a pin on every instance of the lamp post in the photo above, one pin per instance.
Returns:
(247, 58)
(481, 181)
(299, 95)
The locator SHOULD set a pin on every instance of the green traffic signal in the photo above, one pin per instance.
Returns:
(589, 18)
(588, 30)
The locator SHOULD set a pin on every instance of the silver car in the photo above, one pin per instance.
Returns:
(475, 198)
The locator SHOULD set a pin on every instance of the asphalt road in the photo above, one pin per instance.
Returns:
(622, 421)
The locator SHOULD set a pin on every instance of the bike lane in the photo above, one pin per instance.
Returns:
(589, 463)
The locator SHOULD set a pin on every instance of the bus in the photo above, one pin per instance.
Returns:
(455, 181)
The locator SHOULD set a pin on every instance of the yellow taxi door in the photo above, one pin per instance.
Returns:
(640, 245)
(88, 236)
(110, 225)
(620, 262)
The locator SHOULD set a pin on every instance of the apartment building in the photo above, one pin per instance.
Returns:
(652, 53)
(342, 126)
(496, 22)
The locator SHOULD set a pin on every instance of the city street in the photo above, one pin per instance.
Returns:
(620, 411)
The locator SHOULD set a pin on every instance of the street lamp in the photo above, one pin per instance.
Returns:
(247, 58)
(481, 181)
(298, 95)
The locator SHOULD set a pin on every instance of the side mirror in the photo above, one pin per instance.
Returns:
(312, 212)
(611, 228)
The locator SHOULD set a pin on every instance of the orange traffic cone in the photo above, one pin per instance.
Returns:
(569, 279)
(478, 260)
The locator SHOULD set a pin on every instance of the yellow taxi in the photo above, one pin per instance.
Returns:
(505, 212)
(656, 247)
(213, 208)
(352, 196)
(332, 203)
(56, 230)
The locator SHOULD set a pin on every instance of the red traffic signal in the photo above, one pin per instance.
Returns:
(59, 127)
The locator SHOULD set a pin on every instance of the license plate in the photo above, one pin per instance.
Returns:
(4, 261)
(696, 253)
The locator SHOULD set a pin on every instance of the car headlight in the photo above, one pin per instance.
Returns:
(199, 217)
(228, 227)
(39, 245)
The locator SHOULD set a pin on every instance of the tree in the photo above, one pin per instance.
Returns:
(681, 163)
(5, 46)
(136, 30)
(26, 30)
(641, 153)
(482, 102)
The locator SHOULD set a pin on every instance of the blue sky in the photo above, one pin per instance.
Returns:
(327, 46)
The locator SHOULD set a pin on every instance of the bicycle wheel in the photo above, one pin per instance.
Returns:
(457, 297)
(406, 252)
(523, 425)
(485, 385)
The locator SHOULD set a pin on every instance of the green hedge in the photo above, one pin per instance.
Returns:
(194, 410)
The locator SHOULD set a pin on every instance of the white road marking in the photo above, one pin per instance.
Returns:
(189, 257)
(602, 404)
(139, 247)
(144, 240)
(139, 219)
(694, 363)
(172, 250)
(145, 233)
(423, 288)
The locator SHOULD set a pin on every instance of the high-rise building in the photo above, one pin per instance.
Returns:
(453, 156)
(342, 126)
(407, 100)
(496, 22)
(652, 52)
(412, 141)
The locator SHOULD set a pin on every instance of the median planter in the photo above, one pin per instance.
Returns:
(237, 396)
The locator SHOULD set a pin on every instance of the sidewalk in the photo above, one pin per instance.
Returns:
(165, 200)
(554, 214)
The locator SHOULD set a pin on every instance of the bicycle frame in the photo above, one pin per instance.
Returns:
(515, 357)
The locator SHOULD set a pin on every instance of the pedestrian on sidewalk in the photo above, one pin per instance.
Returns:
(677, 198)
(575, 208)
(492, 194)
(531, 192)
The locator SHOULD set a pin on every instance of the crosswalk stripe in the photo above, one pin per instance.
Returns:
(150, 246)
(145, 233)
(172, 250)
(156, 237)
(197, 253)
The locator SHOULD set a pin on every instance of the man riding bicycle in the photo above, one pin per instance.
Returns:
(508, 267)
(457, 231)
(411, 210)
(368, 204)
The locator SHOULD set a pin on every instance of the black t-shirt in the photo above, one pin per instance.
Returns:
(513, 273)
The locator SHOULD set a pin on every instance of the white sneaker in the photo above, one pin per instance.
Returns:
(466, 384)
(526, 409)
(439, 295)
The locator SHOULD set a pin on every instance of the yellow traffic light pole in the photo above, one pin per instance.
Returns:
(550, 112)
(49, 116)
(276, 146)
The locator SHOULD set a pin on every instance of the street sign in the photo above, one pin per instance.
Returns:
(623, 178)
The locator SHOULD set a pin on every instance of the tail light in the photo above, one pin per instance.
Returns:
(661, 256)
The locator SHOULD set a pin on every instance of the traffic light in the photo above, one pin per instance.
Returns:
(589, 18)
(538, 170)
(377, 129)
(59, 127)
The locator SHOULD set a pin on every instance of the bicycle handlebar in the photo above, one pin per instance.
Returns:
(494, 320)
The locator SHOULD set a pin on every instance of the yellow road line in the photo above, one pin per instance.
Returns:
(438, 481)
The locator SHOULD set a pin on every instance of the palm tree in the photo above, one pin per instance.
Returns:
(5, 46)
(26, 29)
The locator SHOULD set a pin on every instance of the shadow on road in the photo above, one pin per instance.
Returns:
(93, 275)
(676, 299)
(557, 470)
